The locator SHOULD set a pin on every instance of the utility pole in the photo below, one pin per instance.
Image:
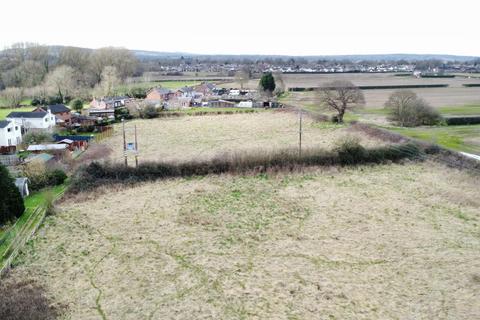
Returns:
(124, 143)
(136, 148)
(300, 134)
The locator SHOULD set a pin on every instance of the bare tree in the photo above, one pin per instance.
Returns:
(61, 81)
(110, 80)
(280, 84)
(13, 96)
(340, 96)
(122, 59)
(408, 110)
(242, 76)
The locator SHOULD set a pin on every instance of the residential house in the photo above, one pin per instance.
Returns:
(101, 113)
(180, 103)
(159, 95)
(111, 102)
(206, 88)
(79, 120)
(33, 120)
(10, 133)
(62, 113)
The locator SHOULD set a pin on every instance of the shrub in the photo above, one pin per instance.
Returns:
(41, 178)
(37, 137)
(347, 153)
(149, 112)
(350, 151)
(77, 105)
(11, 202)
(138, 93)
(456, 121)
(407, 110)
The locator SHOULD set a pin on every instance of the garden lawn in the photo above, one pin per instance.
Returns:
(5, 111)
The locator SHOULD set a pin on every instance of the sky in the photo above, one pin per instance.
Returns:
(283, 27)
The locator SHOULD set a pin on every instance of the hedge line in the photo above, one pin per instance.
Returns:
(403, 86)
(471, 85)
(97, 174)
(457, 121)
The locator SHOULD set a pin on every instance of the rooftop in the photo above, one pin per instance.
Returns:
(26, 114)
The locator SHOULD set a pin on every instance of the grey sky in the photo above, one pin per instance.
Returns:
(295, 27)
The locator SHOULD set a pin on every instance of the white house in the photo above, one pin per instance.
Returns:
(33, 120)
(10, 133)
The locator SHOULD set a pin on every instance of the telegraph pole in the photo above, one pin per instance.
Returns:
(124, 143)
(300, 134)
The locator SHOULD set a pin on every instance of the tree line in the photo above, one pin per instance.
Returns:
(60, 73)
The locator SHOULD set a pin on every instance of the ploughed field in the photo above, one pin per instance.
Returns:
(372, 242)
(204, 137)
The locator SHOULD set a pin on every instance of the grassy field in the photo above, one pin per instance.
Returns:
(459, 138)
(323, 243)
(185, 138)
(5, 111)
(165, 84)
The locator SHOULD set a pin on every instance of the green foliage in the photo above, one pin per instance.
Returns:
(122, 113)
(267, 82)
(37, 137)
(138, 92)
(77, 104)
(11, 202)
(456, 121)
(48, 178)
(350, 151)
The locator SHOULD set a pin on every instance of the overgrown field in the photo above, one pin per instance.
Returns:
(5, 111)
(203, 137)
(373, 242)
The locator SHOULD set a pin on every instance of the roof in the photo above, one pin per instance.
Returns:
(42, 147)
(57, 108)
(91, 110)
(38, 114)
(45, 157)
(67, 141)
(4, 123)
(162, 90)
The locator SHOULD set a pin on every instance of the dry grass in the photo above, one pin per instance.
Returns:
(202, 138)
(383, 242)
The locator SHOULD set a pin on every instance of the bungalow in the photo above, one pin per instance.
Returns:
(159, 95)
(10, 133)
(33, 120)
(61, 112)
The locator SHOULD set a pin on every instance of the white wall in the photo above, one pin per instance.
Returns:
(47, 122)
(11, 135)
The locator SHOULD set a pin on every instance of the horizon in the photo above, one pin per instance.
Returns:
(251, 28)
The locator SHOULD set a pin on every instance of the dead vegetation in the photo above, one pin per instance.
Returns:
(373, 242)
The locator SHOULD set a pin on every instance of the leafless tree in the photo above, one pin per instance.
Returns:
(242, 76)
(279, 83)
(122, 59)
(13, 96)
(110, 80)
(61, 81)
(408, 110)
(340, 96)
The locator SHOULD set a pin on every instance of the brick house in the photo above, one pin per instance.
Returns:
(159, 94)
(61, 112)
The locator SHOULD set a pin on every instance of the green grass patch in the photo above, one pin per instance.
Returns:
(458, 138)
(466, 110)
(152, 84)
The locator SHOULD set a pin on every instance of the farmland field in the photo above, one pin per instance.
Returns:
(322, 243)
(207, 136)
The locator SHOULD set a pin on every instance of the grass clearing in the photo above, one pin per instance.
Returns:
(268, 246)
(202, 138)
(459, 138)
(151, 84)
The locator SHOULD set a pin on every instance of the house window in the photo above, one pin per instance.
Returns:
(16, 128)
(9, 129)
(46, 119)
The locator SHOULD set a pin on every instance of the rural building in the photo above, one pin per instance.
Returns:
(245, 104)
(58, 150)
(159, 95)
(61, 112)
(221, 104)
(10, 133)
(79, 120)
(33, 120)
(101, 113)
(111, 102)
(180, 103)
(205, 88)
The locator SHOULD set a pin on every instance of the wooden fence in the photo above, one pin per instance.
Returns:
(104, 134)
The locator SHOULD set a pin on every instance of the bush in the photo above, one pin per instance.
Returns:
(457, 121)
(41, 178)
(350, 151)
(407, 110)
(77, 105)
(138, 93)
(11, 201)
(149, 112)
(347, 153)
(37, 137)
